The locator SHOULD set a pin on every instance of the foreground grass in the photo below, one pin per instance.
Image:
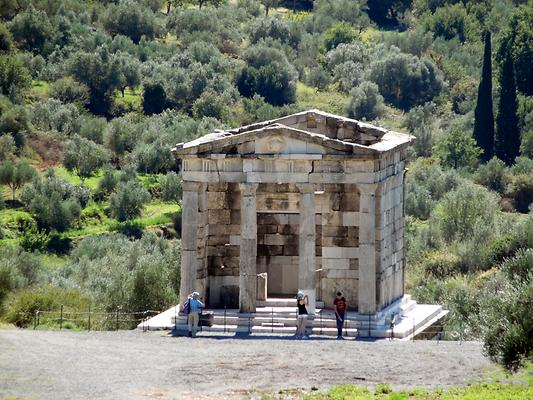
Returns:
(495, 386)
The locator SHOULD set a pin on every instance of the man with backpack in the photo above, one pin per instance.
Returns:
(192, 308)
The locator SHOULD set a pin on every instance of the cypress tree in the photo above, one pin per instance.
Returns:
(507, 130)
(484, 117)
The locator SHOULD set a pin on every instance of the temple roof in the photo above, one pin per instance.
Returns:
(340, 134)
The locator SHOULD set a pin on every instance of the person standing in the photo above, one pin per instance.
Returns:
(195, 306)
(301, 324)
(340, 310)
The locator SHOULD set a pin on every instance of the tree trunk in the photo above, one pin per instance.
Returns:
(267, 10)
(13, 189)
(168, 7)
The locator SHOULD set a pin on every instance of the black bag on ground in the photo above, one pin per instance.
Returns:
(206, 318)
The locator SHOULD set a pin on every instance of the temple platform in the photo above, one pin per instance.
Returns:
(401, 320)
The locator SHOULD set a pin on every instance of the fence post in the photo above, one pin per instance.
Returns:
(61, 318)
(413, 329)
(272, 320)
(249, 326)
(117, 317)
(321, 323)
(369, 327)
(89, 320)
(38, 317)
(225, 318)
(35, 319)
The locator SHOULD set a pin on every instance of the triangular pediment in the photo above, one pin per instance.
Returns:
(310, 132)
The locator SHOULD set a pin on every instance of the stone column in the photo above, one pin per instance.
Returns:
(306, 252)
(189, 232)
(248, 249)
(367, 249)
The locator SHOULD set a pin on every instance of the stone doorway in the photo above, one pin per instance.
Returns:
(277, 237)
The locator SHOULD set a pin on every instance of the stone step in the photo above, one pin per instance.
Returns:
(285, 321)
(268, 329)
(277, 302)
(272, 324)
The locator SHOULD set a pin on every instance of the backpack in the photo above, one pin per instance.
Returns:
(186, 307)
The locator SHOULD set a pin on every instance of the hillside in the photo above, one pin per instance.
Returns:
(93, 94)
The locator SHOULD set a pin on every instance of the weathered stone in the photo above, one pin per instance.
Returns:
(304, 186)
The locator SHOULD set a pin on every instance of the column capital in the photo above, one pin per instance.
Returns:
(248, 189)
(191, 186)
(306, 187)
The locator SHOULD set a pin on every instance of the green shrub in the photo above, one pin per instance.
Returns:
(59, 245)
(493, 175)
(365, 102)
(520, 266)
(383, 388)
(22, 305)
(24, 268)
(170, 187)
(130, 229)
(128, 201)
(462, 209)
(339, 33)
(132, 275)
(32, 239)
(508, 324)
(441, 264)
(521, 190)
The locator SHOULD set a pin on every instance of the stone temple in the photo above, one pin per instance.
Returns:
(310, 201)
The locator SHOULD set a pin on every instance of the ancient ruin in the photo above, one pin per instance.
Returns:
(310, 201)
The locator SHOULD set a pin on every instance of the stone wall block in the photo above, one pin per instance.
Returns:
(219, 217)
(335, 263)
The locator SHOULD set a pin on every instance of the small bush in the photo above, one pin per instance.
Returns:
(493, 175)
(130, 229)
(128, 201)
(170, 187)
(21, 306)
(521, 190)
(59, 245)
(441, 264)
(383, 388)
(461, 209)
(365, 102)
(520, 267)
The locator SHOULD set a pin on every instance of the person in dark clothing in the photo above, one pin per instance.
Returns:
(301, 302)
(340, 309)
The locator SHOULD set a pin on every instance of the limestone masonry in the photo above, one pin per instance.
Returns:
(311, 201)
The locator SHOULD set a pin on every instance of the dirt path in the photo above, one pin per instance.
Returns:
(136, 365)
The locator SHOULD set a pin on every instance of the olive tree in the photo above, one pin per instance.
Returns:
(16, 174)
(83, 157)
(128, 201)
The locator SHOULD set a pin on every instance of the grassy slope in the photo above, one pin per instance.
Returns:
(95, 221)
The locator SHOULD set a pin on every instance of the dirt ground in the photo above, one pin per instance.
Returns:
(136, 365)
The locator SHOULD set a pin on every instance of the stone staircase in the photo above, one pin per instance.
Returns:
(278, 316)
(278, 320)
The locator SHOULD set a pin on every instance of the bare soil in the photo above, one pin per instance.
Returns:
(136, 365)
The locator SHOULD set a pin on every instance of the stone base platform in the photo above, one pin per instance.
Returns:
(408, 318)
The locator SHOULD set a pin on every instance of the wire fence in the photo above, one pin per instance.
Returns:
(97, 320)
(91, 319)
